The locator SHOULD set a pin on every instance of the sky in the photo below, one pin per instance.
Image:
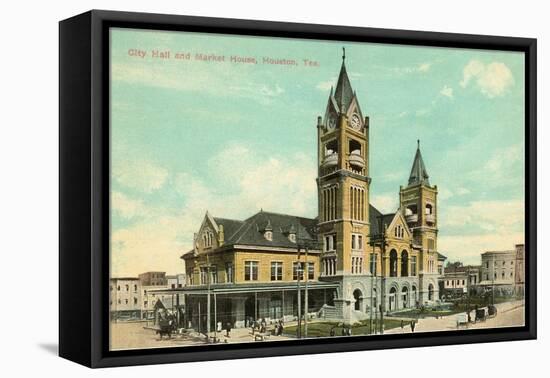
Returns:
(190, 135)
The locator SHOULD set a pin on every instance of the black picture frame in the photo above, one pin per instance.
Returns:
(84, 187)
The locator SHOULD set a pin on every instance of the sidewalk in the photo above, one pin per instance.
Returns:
(508, 314)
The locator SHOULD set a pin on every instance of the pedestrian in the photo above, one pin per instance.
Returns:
(412, 326)
(263, 326)
(402, 325)
(219, 327)
(227, 329)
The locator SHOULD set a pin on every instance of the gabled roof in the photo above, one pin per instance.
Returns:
(251, 230)
(419, 174)
(379, 221)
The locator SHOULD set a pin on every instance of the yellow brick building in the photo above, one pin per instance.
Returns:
(359, 262)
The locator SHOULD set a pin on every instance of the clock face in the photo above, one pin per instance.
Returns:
(331, 122)
(355, 121)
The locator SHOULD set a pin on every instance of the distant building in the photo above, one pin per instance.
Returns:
(176, 281)
(503, 270)
(125, 298)
(520, 269)
(153, 279)
(460, 279)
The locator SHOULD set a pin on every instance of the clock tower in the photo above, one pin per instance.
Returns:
(343, 185)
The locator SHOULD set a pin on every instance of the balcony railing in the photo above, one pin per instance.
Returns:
(412, 218)
(330, 160)
(430, 218)
(356, 160)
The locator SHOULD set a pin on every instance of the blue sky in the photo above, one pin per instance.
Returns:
(189, 136)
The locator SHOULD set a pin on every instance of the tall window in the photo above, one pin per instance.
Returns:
(310, 271)
(229, 272)
(298, 268)
(207, 238)
(329, 266)
(204, 275)
(357, 203)
(330, 242)
(213, 274)
(357, 242)
(250, 270)
(276, 271)
(356, 265)
(431, 244)
(413, 265)
(330, 207)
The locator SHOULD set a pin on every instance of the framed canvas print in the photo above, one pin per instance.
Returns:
(234, 188)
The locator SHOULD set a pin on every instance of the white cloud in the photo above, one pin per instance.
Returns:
(325, 85)
(245, 182)
(385, 203)
(503, 168)
(142, 175)
(468, 248)
(168, 75)
(149, 245)
(492, 225)
(493, 79)
(125, 206)
(424, 67)
(447, 91)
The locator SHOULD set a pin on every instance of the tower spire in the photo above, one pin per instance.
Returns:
(419, 174)
(343, 93)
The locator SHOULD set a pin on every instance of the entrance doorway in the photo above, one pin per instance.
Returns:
(357, 295)
(392, 299)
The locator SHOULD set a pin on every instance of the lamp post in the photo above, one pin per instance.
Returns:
(207, 298)
(299, 296)
(303, 269)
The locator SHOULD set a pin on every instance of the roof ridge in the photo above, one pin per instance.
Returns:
(276, 213)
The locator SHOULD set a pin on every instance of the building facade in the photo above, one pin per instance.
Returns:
(153, 279)
(359, 261)
(503, 271)
(125, 298)
(461, 279)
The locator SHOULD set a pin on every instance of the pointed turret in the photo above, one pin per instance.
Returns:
(343, 93)
(419, 175)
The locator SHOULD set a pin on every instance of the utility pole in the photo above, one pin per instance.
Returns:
(383, 277)
(372, 281)
(207, 298)
(305, 296)
(493, 281)
(298, 272)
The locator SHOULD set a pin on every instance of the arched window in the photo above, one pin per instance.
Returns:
(393, 263)
(405, 297)
(392, 300)
(430, 292)
(404, 263)
(357, 295)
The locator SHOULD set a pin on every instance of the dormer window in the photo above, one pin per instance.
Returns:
(268, 231)
(292, 234)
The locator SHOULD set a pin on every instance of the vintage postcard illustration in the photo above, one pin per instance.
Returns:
(267, 189)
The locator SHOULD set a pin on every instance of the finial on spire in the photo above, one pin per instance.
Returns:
(418, 143)
(343, 53)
